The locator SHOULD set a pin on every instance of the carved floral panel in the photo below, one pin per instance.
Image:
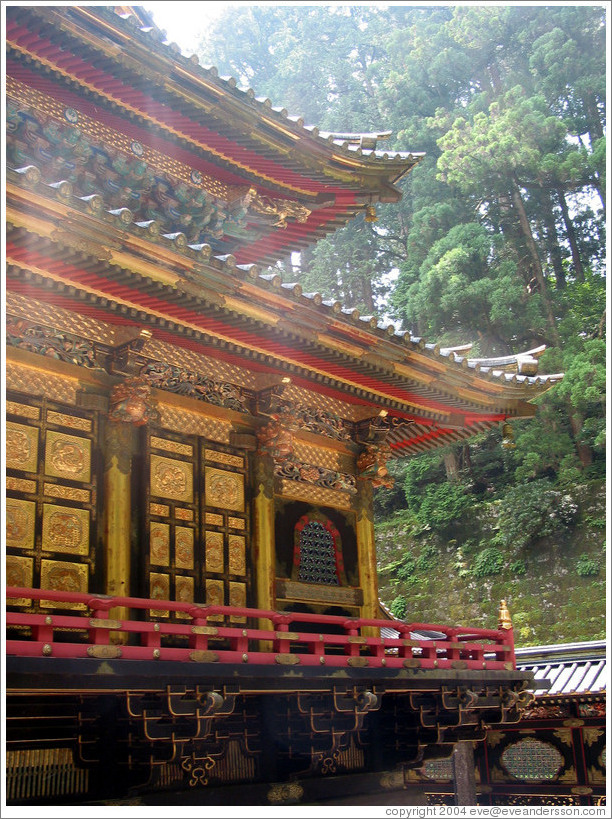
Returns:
(20, 523)
(68, 456)
(19, 573)
(171, 478)
(65, 529)
(224, 489)
(21, 446)
(237, 557)
(159, 544)
(214, 552)
(63, 576)
(183, 547)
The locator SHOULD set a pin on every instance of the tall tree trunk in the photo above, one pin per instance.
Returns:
(552, 245)
(536, 265)
(571, 237)
(576, 422)
(451, 465)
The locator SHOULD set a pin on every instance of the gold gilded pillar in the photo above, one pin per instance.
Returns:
(264, 553)
(130, 407)
(118, 449)
(366, 550)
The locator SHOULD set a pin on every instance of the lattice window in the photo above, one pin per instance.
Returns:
(439, 769)
(317, 553)
(532, 760)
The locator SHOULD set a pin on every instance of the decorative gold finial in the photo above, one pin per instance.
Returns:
(370, 214)
(508, 437)
(504, 619)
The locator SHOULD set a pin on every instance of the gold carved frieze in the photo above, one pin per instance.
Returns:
(65, 529)
(39, 382)
(78, 324)
(224, 489)
(183, 514)
(20, 523)
(131, 403)
(224, 458)
(68, 456)
(213, 519)
(310, 493)
(58, 575)
(214, 552)
(316, 592)
(159, 544)
(191, 423)
(327, 458)
(159, 509)
(21, 447)
(56, 490)
(171, 446)
(19, 573)
(183, 547)
(237, 555)
(72, 421)
(309, 473)
(24, 410)
(159, 589)
(236, 523)
(20, 485)
(171, 478)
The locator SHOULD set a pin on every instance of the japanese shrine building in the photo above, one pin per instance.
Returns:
(192, 443)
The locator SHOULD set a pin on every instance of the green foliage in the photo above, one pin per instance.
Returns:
(428, 559)
(499, 238)
(533, 510)
(399, 607)
(586, 566)
(406, 569)
(487, 562)
(442, 505)
(517, 567)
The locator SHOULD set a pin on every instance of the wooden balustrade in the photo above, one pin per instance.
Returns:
(202, 639)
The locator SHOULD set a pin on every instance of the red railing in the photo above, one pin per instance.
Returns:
(211, 634)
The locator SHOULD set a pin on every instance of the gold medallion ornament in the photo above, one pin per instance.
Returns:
(237, 562)
(159, 589)
(65, 529)
(183, 547)
(237, 597)
(21, 446)
(224, 489)
(19, 573)
(214, 592)
(131, 403)
(184, 590)
(171, 478)
(159, 544)
(63, 576)
(67, 456)
(20, 523)
(214, 552)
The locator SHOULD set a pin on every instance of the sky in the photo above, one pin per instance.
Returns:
(183, 22)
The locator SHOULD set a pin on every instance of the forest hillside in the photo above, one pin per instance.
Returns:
(499, 240)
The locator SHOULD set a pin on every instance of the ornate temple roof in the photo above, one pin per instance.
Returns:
(245, 177)
(571, 668)
(148, 193)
